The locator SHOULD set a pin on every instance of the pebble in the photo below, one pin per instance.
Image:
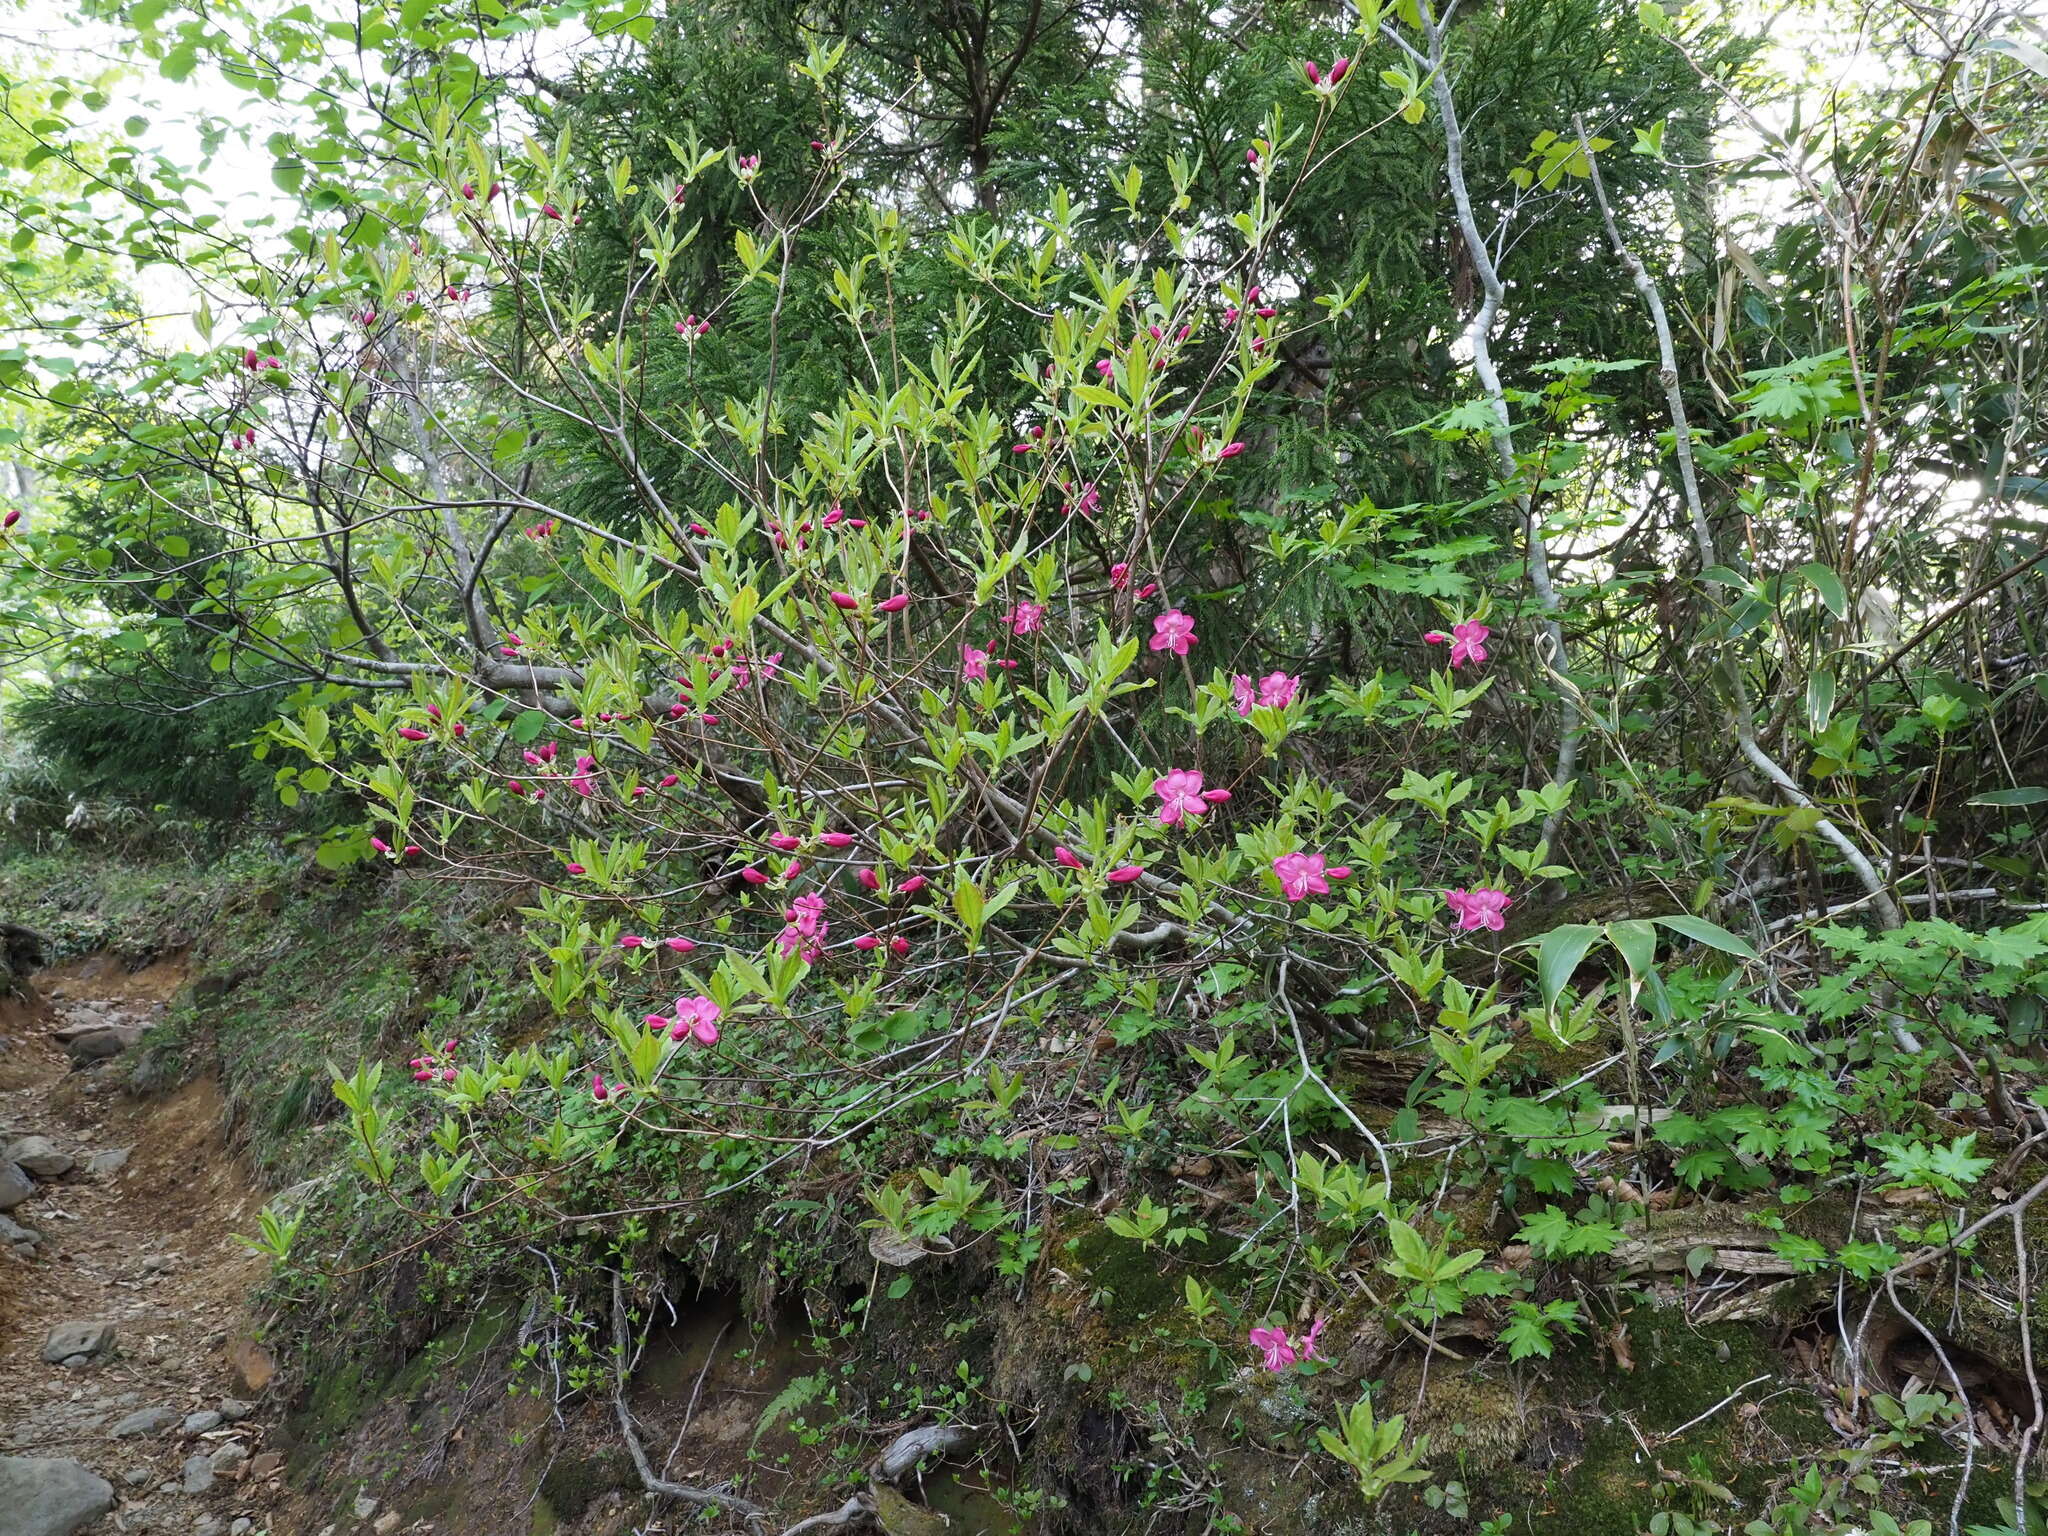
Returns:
(235, 1409)
(242, 1527)
(40, 1156)
(198, 1474)
(199, 1423)
(69, 1339)
(365, 1506)
(229, 1457)
(146, 1421)
(135, 1477)
(386, 1523)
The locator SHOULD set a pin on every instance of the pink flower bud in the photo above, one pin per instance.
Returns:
(1339, 70)
(655, 1021)
(899, 947)
(1124, 875)
(791, 870)
(785, 841)
(669, 781)
(550, 211)
(409, 851)
(11, 519)
(680, 946)
(753, 876)
(380, 845)
(630, 941)
(866, 941)
(913, 885)
(1067, 856)
(869, 879)
(412, 733)
(1308, 67)
(845, 600)
(1215, 796)
(837, 839)
(574, 869)
(1232, 451)
(895, 604)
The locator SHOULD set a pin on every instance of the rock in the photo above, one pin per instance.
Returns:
(101, 1044)
(157, 1263)
(242, 1527)
(229, 1457)
(251, 1366)
(198, 1474)
(15, 1186)
(135, 1477)
(386, 1523)
(207, 1525)
(79, 1019)
(69, 1339)
(76, 1362)
(365, 1506)
(269, 1464)
(39, 1155)
(199, 1423)
(234, 1409)
(145, 1421)
(104, 1165)
(46, 1496)
(14, 1234)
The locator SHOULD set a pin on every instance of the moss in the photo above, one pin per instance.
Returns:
(573, 1484)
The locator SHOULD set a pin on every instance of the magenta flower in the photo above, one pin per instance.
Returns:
(786, 841)
(1025, 618)
(899, 946)
(1067, 857)
(845, 600)
(680, 946)
(1278, 1351)
(1481, 908)
(1303, 875)
(1180, 794)
(1244, 693)
(572, 869)
(696, 1019)
(630, 941)
(912, 886)
(806, 913)
(1124, 874)
(1119, 576)
(973, 664)
(894, 604)
(412, 733)
(869, 880)
(1173, 631)
(1467, 642)
(598, 1090)
(380, 845)
(867, 941)
(1277, 690)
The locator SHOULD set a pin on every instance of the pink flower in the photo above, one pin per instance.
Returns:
(837, 839)
(973, 664)
(1230, 451)
(1025, 618)
(1339, 70)
(753, 876)
(1315, 75)
(630, 941)
(1180, 794)
(680, 946)
(899, 947)
(550, 211)
(1467, 642)
(913, 885)
(573, 869)
(845, 600)
(806, 914)
(1124, 874)
(1481, 908)
(696, 1019)
(380, 845)
(867, 941)
(1277, 690)
(1303, 875)
(1173, 631)
(1244, 692)
(598, 1090)
(869, 880)
(1067, 857)
(894, 604)
(1276, 1352)
(670, 781)
(1119, 576)
(412, 733)
(785, 841)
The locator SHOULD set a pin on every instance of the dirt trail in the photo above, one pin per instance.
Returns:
(140, 1241)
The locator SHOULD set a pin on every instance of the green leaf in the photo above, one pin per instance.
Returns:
(1829, 586)
(1637, 942)
(1700, 931)
(2029, 795)
(1558, 955)
(529, 724)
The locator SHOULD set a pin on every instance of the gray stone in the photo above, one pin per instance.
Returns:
(101, 1044)
(104, 1165)
(146, 1421)
(198, 1474)
(46, 1496)
(207, 1525)
(40, 1156)
(365, 1506)
(15, 1186)
(12, 1231)
(76, 1362)
(242, 1527)
(229, 1457)
(68, 1339)
(199, 1423)
(234, 1409)
(135, 1477)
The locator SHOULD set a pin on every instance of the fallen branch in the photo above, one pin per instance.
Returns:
(660, 1487)
(856, 1509)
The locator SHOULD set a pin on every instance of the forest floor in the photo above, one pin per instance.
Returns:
(136, 1233)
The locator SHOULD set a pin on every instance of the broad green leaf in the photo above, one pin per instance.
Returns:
(1714, 936)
